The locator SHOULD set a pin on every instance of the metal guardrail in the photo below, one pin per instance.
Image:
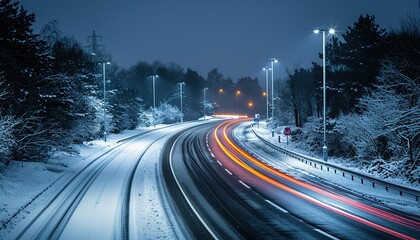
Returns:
(406, 192)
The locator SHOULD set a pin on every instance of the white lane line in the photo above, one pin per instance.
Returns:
(219, 163)
(326, 234)
(244, 184)
(185, 195)
(212, 154)
(276, 206)
(228, 171)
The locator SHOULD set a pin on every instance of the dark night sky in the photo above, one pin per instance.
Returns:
(236, 36)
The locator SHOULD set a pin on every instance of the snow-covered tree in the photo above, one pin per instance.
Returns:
(386, 135)
(164, 114)
(7, 138)
(50, 33)
(354, 64)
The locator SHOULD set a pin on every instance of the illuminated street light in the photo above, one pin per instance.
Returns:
(204, 102)
(266, 69)
(272, 60)
(154, 91)
(221, 91)
(324, 148)
(237, 101)
(180, 89)
(103, 76)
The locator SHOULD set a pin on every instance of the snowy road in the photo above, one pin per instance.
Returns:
(232, 194)
(114, 196)
(193, 181)
(328, 210)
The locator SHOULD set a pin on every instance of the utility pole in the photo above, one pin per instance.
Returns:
(94, 46)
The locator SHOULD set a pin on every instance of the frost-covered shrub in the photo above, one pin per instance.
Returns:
(167, 113)
(310, 137)
(7, 139)
(164, 114)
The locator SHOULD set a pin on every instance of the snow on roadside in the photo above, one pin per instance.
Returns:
(22, 182)
(391, 198)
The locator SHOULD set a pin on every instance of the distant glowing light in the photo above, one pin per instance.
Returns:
(234, 116)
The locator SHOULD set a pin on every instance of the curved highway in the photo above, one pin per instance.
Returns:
(194, 181)
(225, 192)
(106, 197)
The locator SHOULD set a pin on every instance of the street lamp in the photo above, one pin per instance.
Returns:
(204, 102)
(330, 31)
(218, 100)
(237, 101)
(103, 76)
(272, 60)
(180, 86)
(154, 91)
(266, 69)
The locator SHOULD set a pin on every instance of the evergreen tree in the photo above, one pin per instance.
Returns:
(23, 59)
(355, 63)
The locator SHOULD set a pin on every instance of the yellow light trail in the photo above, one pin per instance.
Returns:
(237, 160)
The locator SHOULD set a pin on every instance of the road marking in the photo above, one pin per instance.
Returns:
(219, 163)
(185, 195)
(228, 171)
(212, 154)
(276, 206)
(325, 234)
(244, 184)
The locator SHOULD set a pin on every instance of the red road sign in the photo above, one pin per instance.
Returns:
(287, 131)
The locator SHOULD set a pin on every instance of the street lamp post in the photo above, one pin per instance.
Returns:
(266, 69)
(182, 115)
(218, 100)
(324, 94)
(237, 101)
(272, 60)
(154, 91)
(103, 76)
(204, 102)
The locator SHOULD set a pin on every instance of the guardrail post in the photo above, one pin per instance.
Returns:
(373, 184)
(361, 180)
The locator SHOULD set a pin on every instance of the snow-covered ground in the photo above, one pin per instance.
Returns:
(22, 183)
(391, 199)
